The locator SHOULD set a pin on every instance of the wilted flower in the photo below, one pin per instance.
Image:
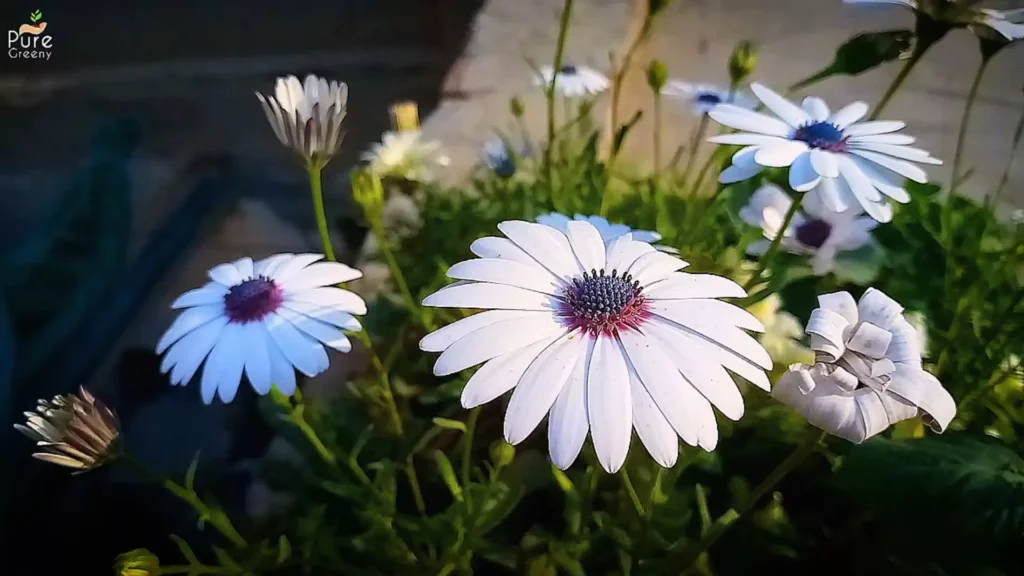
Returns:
(703, 98)
(782, 332)
(75, 430)
(849, 162)
(603, 337)
(868, 373)
(306, 117)
(817, 232)
(138, 562)
(606, 229)
(266, 318)
(406, 155)
(573, 81)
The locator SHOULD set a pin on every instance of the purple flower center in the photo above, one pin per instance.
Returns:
(822, 135)
(813, 233)
(568, 69)
(252, 300)
(600, 304)
(709, 98)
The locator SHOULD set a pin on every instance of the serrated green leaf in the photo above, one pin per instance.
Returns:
(450, 424)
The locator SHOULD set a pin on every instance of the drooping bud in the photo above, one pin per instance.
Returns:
(743, 61)
(515, 105)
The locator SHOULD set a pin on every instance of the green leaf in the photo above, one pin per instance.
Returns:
(953, 488)
(499, 501)
(284, 549)
(190, 475)
(862, 53)
(185, 549)
(444, 466)
(225, 559)
(450, 424)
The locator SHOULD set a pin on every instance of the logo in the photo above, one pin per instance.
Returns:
(28, 42)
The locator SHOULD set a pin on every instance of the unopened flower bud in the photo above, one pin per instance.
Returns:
(515, 105)
(405, 117)
(743, 61)
(502, 453)
(138, 562)
(657, 75)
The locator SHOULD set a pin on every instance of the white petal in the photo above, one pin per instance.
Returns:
(749, 121)
(703, 372)
(802, 174)
(281, 370)
(257, 357)
(211, 293)
(878, 308)
(732, 339)
(608, 404)
(789, 112)
(857, 181)
(902, 152)
(492, 247)
(305, 353)
(556, 220)
(568, 424)
(780, 156)
(439, 340)
(848, 115)
(501, 374)
(886, 181)
(874, 127)
(816, 108)
(540, 385)
(696, 312)
(544, 244)
(588, 245)
(484, 295)
(898, 139)
(223, 367)
(733, 362)
(738, 174)
(651, 426)
(320, 331)
(244, 267)
(829, 193)
(825, 163)
(681, 286)
(188, 321)
(190, 351)
(320, 274)
(926, 392)
(494, 340)
(623, 252)
(507, 272)
(330, 298)
(226, 275)
(743, 139)
(655, 266)
(268, 265)
(334, 317)
(293, 265)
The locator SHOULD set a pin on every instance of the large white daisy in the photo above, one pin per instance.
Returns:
(602, 338)
(607, 230)
(817, 231)
(266, 318)
(702, 98)
(849, 162)
(868, 374)
(573, 81)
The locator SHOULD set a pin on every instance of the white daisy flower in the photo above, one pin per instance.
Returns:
(266, 318)
(817, 231)
(573, 81)
(1004, 25)
(703, 98)
(602, 338)
(306, 117)
(606, 229)
(406, 155)
(868, 374)
(850, 162)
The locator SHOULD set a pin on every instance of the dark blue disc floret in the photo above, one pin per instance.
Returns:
(822, 135)
(813, 233)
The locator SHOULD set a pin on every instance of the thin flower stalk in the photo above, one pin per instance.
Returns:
(766, 260)
(563, 29)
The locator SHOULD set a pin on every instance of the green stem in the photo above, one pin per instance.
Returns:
(1010, 164)
(632, 493)
(216, 518)
(725, 521)
(385, 382)
(467, 450)
(396, 273)
(316, 185)
(414, 485)
(698, 137)
(774, 247)
(896, 83)
(194, 570)
(657, 131)
(325, 453)
(965, 120)
(563, 29)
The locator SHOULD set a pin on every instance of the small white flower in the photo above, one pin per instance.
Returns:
(266, 318)
(817, 231)
(868, 374)
(607, 230)
(603, 338)
(307, 117)
(573, 81)
(406, 155)
(1003, 25)
(849, 162)
(703, 98)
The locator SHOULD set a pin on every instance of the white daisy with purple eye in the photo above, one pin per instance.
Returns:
(703, 98)
(846, 162)
(573, 81)
(607, 230)
(817, 231)
(600, 338)
(264, 319)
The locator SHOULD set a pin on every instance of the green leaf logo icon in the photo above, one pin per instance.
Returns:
(36, 16)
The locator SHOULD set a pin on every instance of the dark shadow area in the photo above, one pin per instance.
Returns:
(176, 81)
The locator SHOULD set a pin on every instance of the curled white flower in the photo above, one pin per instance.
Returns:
(868, 375)
(817, 231)
(702, 98)
(266, 318)
(601, 338)
(573, 81)
(406, 155)
(306, 117)
(607, 230)
(847, 161)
